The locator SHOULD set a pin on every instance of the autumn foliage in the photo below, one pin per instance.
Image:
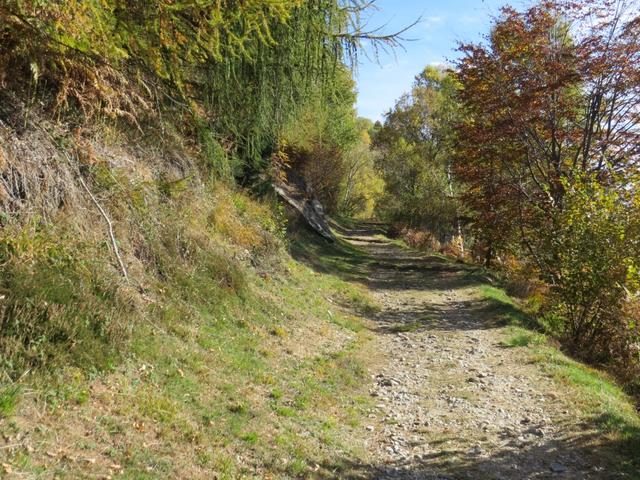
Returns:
(548, 149)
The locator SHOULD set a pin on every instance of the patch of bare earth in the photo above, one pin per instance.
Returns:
(451, 401)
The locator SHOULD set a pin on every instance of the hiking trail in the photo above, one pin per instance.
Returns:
(452, 402)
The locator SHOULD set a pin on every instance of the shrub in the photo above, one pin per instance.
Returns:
(592, 266)
(523, 280)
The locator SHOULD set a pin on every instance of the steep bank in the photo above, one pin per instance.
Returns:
(215, 353)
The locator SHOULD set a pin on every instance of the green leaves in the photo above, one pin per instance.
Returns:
(241, 69)
(416, 148)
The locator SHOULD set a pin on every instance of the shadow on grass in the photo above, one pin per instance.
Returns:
(503, 307)
(339, 258)
(364, 255)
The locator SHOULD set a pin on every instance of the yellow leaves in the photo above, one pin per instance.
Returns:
(238, 219)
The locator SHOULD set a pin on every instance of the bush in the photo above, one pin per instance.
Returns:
(420, 239)
(592, 267)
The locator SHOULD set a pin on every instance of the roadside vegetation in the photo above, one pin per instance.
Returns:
(149, 307)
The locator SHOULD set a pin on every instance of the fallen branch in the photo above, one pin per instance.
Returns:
(110, 225)
(72, 164)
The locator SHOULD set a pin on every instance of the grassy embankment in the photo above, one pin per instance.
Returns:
(220, 356)
(597, 400)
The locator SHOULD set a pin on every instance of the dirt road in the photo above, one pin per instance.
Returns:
(452, 402)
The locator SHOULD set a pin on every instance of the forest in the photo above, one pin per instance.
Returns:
(166, 313)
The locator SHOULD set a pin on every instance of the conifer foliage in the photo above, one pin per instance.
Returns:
(236, 71)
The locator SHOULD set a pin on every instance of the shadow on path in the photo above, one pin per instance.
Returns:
(571, 457)
(364, 255)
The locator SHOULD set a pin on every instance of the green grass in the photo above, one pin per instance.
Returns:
(221, 365)
(220, 356)
(606, 406)
(504, 308)
(335, 258)
(358, 299)
(56, 307)
(520, 337)
(9, 397)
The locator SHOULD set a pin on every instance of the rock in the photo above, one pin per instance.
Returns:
(538, 432)
(477, 450)
(557, 468)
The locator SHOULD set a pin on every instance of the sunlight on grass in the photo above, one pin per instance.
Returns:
(519, 337)
(504, 308)
(9, 397)
(596, 395)
(606, 403)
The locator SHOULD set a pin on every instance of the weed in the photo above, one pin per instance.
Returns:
(298, 467)
(250, 437)
(285, 411)
(276, 394)
(278, 331)
(239, 408)
(9, 397)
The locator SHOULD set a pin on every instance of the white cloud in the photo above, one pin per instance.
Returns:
(432, 20)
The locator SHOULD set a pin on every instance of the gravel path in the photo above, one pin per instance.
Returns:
(451, 401)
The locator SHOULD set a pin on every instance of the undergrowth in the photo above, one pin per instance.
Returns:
(59, 303)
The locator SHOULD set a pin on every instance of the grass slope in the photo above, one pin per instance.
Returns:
(263, 385)
(222, 357)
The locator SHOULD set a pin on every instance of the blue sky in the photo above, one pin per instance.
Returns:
(444, 23)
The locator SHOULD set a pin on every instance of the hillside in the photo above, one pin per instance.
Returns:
(214, 333)
(426, 371)
(212, 267)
